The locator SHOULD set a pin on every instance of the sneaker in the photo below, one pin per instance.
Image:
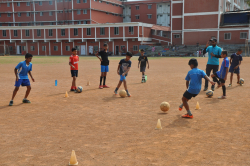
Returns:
(205, 88)
(115, 92)
(72, 90)
(238, 83)
(142, 81)
(11, 103)
(26, 101)
(212, 88)
(128, 94)
(145, 81)
(187, 116)
(229, 85)
(222, 97)
(105, 86)
(100, 87)
(180, 108)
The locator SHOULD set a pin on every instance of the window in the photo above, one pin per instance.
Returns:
(19, 14)
(131, 30)
(15, 33)
(29, 24)
(137, 17)
(50, 13)
(55, 48)
(100, 1)
(149, 16)
(43, 48)
(24, 48)
(62, 32)
(75, 32)
(135, 48)
(9, 24)
(50, 3)
(51, 23)
(41, 13)
(50, 32)
(88, 31)
(8, 4)
(4, 33)
(40, 3)
(177, 36)
(149, 6)
(27, 3)
(67, 48)
(65, 0)
(137, 7)
(85, 22)
(243, 35)
(38, 32)
(79, 22)
(19, 24)
(116, 30)
(78, 12)
(18, 4)
(102, 31)
(32, 48)
(0, 14)
(8, 15)
(84, 11)
(41, 23)
(78, 1)
(11, 48)
(227, 36)
(84, 1)
(27, 32)
(28, 14)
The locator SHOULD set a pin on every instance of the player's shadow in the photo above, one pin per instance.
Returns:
(112, 98)
(162, 113)
(179, 122)
(89, 90)
(232, 87)
(213, 100)
(55, 94)
(6, 106)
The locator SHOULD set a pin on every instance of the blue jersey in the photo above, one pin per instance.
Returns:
(23, 70)
(216, 51)
(223, 68)
(194, 77)
(235, 59)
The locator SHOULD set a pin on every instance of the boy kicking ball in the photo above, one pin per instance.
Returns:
(122, 70)
(73, 62)
(193, 83)
(21, 72)
(235, 62)
(143, 61)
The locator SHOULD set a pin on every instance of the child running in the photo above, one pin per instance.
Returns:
(73, 62)
(122, 70)
(21, 72)
(143, 61)
(235, 62)
(193, 83)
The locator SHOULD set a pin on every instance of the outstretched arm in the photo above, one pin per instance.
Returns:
(207, 78)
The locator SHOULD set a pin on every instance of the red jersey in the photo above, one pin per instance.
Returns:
(74, 61)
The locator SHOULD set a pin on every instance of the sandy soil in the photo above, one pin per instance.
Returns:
(105, 130)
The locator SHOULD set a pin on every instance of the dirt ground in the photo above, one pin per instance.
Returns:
(106, 130)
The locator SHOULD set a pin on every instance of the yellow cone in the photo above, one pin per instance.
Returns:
(197, 106)
(88, 83)
(73, 160)
(158, 126)
(66, 94)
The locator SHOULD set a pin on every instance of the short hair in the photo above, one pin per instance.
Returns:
(239, 49)
(28, 55)
(73, 49)
(104, 45)
(142, 50)
(214, 39)
(129, 54)
(193, 61)
(224, 52)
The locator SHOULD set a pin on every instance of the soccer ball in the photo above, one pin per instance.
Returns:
(242, 81)
(165, 106)
(79, 89)
(209, 93)
(123, 93)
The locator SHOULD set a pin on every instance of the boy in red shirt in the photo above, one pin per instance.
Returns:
(73, 62)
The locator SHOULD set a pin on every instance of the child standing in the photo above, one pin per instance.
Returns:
(21, 72)
(73, 62)
(193, 84)
(143, 61)
(235, 62)
(222, 74)
(104, 66)
(122, 70)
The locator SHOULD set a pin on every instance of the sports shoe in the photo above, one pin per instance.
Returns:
(205, 88)
(142, 81)
(128, 94)
(238, 83)
(212, 88)
(180, 108)
(26, 101)
(105, 86)
(229, 85)
(11, 103)
(222, 97)
(187, 116)
(72, 89)
(115, 92)
(145, 81)
(100, 87)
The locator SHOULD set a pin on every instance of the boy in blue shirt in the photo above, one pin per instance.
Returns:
(21, 72)
(235, 62)
(123, 69)
(193, 83)
(222, 74)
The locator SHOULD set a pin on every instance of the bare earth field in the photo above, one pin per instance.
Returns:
(106, 130)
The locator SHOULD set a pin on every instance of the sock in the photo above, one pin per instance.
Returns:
(181, 105)
(72, 87)
(75, 87)
(11, 100)
(216, 80)
(224, 90)
(143, 77)
(100, 80)
(116, 89)
(127, 91)
(24, 99)
(189, 112)
(104, 80)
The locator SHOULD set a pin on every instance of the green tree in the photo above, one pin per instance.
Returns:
(248, 2)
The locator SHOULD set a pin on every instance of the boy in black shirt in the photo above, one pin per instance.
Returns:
(143, 60)
(104, 66)
(123, 69)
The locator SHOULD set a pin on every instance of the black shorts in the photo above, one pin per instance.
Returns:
(189, 95)
(142, 68)
(74, 73)
(220, 79)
